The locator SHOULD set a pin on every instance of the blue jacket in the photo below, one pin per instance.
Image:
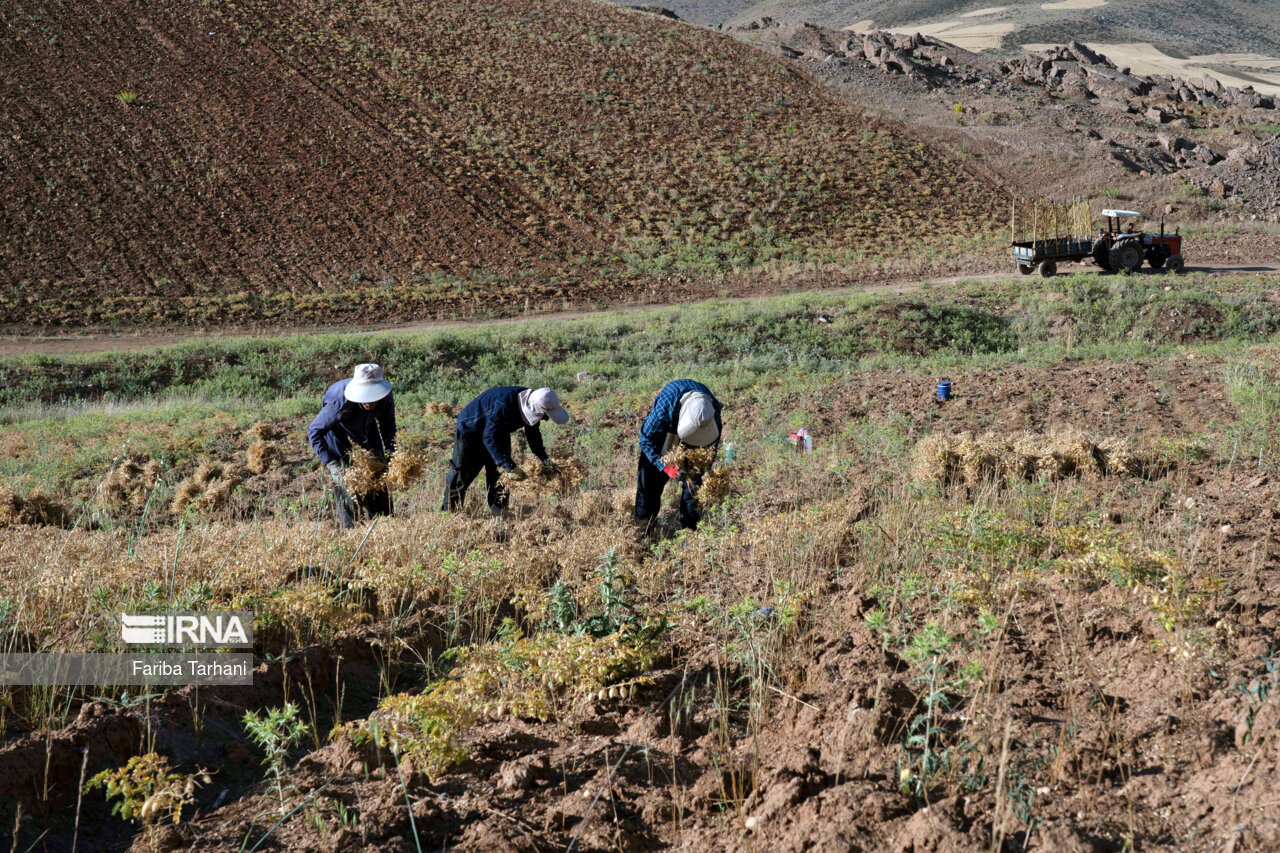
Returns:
(342, 424)
(492, 417)
(665, 416)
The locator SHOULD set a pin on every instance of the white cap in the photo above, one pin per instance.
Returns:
(697, 424)
(547, 402)
(367, 384)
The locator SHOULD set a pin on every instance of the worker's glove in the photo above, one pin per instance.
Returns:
(548, 467)
(672, 471)
(517, 474)
(335, 473)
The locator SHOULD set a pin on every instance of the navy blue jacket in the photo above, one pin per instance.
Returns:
(492, 417)
(342, 424)
(664, 417)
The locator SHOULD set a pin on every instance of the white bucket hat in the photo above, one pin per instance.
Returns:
(547, 402)
(367, 384)
(697, 425)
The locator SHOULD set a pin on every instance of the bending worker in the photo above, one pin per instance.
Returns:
(483, 439)
(684, 412)
(359, 412)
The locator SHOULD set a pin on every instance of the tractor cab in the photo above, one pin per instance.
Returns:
(1123, 245)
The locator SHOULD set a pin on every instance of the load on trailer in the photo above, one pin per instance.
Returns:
(1061, 231)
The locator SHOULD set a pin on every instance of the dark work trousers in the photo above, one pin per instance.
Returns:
(650, 481)
(351, 509)
(469, 456)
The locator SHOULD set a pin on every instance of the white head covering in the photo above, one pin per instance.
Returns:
(543, 401)
(697, 424)
(367, 384)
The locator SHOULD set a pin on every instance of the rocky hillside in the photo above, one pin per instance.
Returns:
(258, 162)
(1219, 138)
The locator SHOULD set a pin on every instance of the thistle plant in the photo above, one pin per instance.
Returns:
(276, 731)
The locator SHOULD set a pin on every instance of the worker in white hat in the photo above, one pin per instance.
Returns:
(483, 439)
(357, 412)
(684, 412)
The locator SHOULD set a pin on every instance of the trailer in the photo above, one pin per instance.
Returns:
(1043, 256)
(1056, 232)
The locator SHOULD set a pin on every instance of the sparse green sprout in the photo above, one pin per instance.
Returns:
(126, 97)
(277, 731)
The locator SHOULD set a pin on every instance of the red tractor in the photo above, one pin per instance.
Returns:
(1125, 249)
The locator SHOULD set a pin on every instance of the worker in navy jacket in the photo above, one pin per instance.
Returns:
(684, 412)
(357, 412)
(483, 439)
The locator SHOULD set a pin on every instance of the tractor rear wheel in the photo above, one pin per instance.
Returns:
(1102, 255)
(1174, 263)
(1126, 257)
(1047, 269)
(1026, 269)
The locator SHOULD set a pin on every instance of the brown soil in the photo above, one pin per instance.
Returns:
(321, 163)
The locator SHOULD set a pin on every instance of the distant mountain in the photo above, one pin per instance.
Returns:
(1188, 27)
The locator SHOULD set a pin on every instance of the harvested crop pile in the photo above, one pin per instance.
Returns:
(364, 474)
(438, 409)
(567, 477)
(209, 488)
(1063, 452)
(130, 483)
(36, 509)
(263, 456)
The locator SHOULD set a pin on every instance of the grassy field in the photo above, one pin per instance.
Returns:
(1014, 608)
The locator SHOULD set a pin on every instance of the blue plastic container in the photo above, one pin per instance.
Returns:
(944, 389)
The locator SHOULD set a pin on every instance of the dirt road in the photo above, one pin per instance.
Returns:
(14, 345)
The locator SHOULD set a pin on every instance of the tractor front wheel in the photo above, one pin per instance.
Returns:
(1026, 269)
(1174, 263)
(1157, 261)
(1047, 269)
(1126, 257)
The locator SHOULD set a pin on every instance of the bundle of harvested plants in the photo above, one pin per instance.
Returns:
(715, 485)
(263, 456)
(130, 483)
(209, 488)
(36, 509)
(364, 474)
(567, 476)
(408, 465)
(263, 431)
(440, 409)
(694, 460)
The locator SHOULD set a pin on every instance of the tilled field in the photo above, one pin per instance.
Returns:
(252, 163)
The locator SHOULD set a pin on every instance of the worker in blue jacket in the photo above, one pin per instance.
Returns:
(684, 412)
(483, 439)
(357, 412)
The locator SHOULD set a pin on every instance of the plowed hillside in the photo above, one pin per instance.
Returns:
(205, 161)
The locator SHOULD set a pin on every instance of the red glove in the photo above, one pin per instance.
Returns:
(671, 471)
